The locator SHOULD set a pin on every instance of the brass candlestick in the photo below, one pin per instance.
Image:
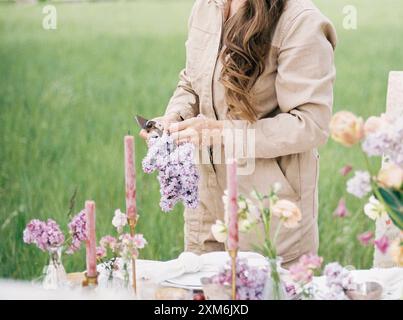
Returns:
(90, 281)
(233, 254)
(132, 224)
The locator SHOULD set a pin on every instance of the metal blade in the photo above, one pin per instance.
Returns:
(142, 122)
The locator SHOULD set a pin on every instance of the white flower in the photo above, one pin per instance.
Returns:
(360, 184)
(219, 230)
(242, 205)
(119, 220)
(276, 187)
(245, 225)
(374, 209)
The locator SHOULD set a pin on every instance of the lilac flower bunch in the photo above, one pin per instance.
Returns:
(386, 140)
(250, 281)
(177, 172)
(78, 232)
(47, 236)
(338, 279)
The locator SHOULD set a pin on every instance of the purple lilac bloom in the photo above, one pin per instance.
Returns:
(78, 231)
(250, 281)
(45, 235)
(338, 279)
(360, 184)
(177, 172)
(387, 141)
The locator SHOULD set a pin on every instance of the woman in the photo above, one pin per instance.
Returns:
(265, 66)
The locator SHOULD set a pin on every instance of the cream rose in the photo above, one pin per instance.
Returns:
(346, 128)
(391, 176)
(288, 212)
(219, 230)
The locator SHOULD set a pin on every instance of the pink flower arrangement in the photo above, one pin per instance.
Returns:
(301, 273)
(379, 137)
(108, 242)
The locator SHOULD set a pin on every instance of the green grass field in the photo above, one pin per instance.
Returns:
(68, 96)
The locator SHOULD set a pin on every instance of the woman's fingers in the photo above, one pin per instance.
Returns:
(186, 135)
(180, 126)
(143, 134)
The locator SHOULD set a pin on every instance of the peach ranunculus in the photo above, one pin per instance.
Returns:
(391, 176)
(288, 212)
(396, 250)
(346, 128)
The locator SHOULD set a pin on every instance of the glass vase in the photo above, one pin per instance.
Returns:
(54, 274)
(273, 289)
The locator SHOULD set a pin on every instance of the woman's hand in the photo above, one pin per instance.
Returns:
(200, 131)
(165, 121)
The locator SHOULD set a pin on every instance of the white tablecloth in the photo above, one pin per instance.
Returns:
(184, 272)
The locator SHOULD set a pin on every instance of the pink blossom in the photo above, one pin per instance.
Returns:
(366, 238)
(101, 252)
(299, 273)
(341, 210)
(302, 272)
(108, 242)
(311, 261)
(346, 170)
(139, 241)
(382, 244)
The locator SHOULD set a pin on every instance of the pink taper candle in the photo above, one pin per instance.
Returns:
(130, 176)
(91, 239)
(232, 205)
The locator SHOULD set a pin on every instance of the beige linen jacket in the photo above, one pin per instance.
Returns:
(294, 98)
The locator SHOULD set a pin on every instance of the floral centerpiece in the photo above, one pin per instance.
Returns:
(262, 211)
(115, 253)
(48, 237)
(379, 136)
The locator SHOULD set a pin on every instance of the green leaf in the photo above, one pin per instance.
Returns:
(394, 201)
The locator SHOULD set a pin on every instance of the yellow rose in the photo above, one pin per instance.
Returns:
(346, 128)
(391, 176)
(288, 212)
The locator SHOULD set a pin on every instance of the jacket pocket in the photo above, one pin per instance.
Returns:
(287, 189)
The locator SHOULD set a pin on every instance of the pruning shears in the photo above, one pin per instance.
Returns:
(149, 125)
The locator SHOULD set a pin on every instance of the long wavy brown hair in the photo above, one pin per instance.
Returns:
(247, 40)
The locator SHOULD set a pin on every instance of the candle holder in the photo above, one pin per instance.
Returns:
(90, 281)
(132, 225)
(233, 254)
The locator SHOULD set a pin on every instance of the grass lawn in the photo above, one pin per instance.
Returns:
(68, 96)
